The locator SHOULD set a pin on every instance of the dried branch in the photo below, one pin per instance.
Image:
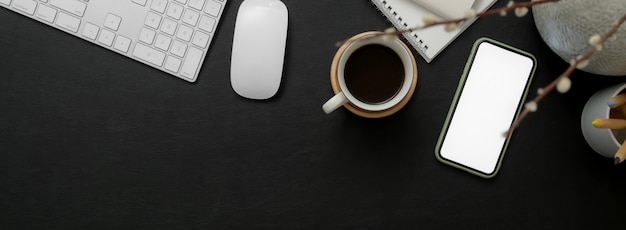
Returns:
(512, 6)
(520, 7)
(580, 62)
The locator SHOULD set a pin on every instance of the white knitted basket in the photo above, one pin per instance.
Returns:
(566, 27)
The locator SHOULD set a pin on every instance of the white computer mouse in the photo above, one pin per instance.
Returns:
(258, 48)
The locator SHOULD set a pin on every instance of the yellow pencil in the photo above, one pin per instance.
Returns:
(604, 123)
(617, 101)
(620, 155)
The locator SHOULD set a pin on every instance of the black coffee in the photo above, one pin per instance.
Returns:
(374, 74)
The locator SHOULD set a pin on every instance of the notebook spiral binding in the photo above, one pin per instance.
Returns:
(406, 14)
(399, 23)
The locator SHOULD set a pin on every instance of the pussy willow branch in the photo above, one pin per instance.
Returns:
(510, 7)
(573, 65)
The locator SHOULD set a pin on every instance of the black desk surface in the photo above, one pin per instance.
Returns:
(92, 140)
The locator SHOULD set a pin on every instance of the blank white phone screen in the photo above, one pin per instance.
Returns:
(486, 107)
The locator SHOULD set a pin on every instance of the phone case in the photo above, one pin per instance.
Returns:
(456, 98)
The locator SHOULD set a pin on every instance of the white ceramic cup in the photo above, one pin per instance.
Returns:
(606, 142)
(344, 97)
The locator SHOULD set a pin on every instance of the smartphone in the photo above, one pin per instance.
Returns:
(489, 97)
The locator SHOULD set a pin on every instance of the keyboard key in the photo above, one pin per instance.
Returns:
(206, 23)
(192, 63)
(172, 64)
(169, 26)
(201, 39)
(73, 6)
(147, 36)
(140, 2)
(106, 37)
(26, 6)
(159, 5)
(175, 11)
(122, 43)
(196, 4)
(163, 42)
(91, 31)
(112, 21)
(213, 8)
(68, 22)
(153, 20)
(182, 1)
(178, 48)
(5, 2)
(191, 17)
(46, 13)
(148, 54)
(184, 32)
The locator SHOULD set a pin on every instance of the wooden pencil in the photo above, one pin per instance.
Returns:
(604, 123)
(621, 112)
(616, 101)
(620, 155)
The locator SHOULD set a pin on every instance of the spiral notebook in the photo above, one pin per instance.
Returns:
(404, 14)
(447, 9)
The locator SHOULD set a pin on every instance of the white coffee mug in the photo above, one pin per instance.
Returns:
(343, 95)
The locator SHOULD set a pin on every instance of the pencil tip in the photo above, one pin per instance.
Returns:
(617, 160)
(596, 123)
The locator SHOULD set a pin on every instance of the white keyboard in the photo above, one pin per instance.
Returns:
(170, 35)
